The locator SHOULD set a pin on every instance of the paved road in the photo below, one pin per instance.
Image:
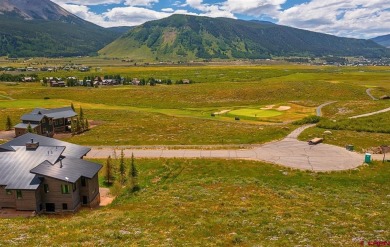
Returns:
(319, 108)
(368, 91)
(288, 152)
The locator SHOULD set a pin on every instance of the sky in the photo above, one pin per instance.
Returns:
(346, 18)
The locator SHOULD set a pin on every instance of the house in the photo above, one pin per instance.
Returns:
(46, 121)
(135, 81)
(46, 175)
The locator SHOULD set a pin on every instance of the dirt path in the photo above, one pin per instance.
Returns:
(319, 108)
(288, 152)
(371, 113)
(368, 92)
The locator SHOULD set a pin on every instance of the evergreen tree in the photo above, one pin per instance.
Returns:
(29, 128)
(73, 127)
(72, 106)
(108, 170)
(133, 175)
(122, 168)
(8, 124)
(82, 122)
(86, 125)
(78, 126)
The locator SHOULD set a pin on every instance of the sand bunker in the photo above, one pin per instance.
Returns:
(221, 112)
(268, 107)
(283, 108)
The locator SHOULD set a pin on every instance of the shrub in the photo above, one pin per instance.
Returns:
(308, 120)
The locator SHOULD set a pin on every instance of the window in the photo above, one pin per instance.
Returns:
(19, 194)
(9, 192)
(64, 206)
(61, 121)
(74, 187)
(83, 182)
(65, 189)
(46, 188)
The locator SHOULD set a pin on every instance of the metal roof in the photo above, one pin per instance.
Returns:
(25, 126)
(71, 150)
(68, 169)
(15, 166)
(63, 114)
(20, 167)
(32, 117)
(38, 113)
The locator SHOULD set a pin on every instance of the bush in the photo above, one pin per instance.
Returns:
(308, 120)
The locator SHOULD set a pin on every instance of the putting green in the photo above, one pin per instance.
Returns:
(248, 112)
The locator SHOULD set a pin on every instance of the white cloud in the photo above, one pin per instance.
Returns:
(169, 10)
(254, 7)
(350, 18)
(353, 18)
(131, 16)
(140, 2)
(87, 2)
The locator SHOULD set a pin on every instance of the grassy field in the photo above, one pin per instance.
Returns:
(224, 203)
(181, 114)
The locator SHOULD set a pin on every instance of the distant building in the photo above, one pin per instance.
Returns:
(46, 122)
(46, 175)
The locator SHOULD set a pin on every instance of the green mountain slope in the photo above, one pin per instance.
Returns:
(383, 40)
(192, 37)
(46, 29)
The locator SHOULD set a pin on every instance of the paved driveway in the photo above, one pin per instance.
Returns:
(288, 152)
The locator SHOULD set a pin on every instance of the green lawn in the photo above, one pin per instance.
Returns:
(256, 113)
(224, 203)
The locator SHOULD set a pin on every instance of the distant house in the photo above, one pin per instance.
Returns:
(135, 81)
(46, 175)
(46, 121)
(186, 81)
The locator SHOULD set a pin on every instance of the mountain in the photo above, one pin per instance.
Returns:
(42, 28)
(383, 40)
(120, 30)
(195, 37)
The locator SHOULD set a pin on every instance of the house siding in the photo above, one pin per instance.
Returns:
(7, 201)
(91, 190)
(55, 195)
(28, 201)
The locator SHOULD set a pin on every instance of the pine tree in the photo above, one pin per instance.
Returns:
(133, 175)
(78, 126)
(8, 124)
(29, 128)
(72, 106)
(81, 117)
(108, 171)
(86, 125)
(122, 168)
(73, 127)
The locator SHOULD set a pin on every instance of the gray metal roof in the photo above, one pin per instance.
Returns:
(63, 114)
(38, 113)
(69, 169)
(32, 117)
(71, 150)
(25, 126)
(15, 166)
(20, 168)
